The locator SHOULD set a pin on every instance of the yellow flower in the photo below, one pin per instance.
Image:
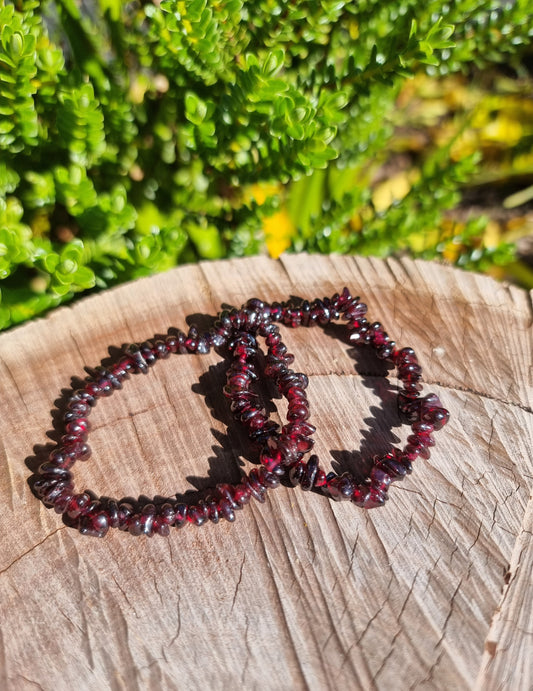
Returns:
(278, 232)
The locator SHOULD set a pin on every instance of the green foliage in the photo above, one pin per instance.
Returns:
(135, 136)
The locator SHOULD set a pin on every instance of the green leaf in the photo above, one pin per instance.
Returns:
(273, 62)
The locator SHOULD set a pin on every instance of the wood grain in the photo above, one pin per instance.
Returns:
(433, 591)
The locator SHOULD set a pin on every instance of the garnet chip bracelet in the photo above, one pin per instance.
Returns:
(281, 451)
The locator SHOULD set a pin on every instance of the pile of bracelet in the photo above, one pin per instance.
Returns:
(282, 451)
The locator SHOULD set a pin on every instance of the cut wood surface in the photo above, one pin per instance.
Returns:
(433, 591)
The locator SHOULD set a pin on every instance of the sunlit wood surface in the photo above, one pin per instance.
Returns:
(433, 591)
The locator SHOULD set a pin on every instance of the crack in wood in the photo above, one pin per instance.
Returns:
(29, 551)
(238, 581)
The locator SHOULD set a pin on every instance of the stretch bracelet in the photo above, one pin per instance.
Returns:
(282, 451)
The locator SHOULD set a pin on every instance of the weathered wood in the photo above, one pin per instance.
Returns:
(432, 591)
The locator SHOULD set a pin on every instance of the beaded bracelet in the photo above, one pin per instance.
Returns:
(285, 451)
(282, 452)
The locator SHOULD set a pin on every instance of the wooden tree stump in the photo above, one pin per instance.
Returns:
(433, 591)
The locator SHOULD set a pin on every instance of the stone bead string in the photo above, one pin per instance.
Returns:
(282, 451)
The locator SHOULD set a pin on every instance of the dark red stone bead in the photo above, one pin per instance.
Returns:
(254, 419)
(360, 333)
(387, 351)
(94, 525)
(112, 511)
(176, 342)
(288, 449)
(181, 515)
(225, 491)
(379, 479)
(241, 495)
(409, 408)
(238, 318)
(70, 439)
(161, 349)
(43, 485)
(81, 450)
(52, 471)
(267, 478)
(241, 403)
(191, 344)
(301, 428)
(405, 355)
(356, 310)
(296, 473)
(134, 525)
(391, 465)
(409, 371)
(81, 395)
(360, 495)
(63, 499)
(425, 439)
(49, 488)
(121, 370)
(431, 401)
(298, 411)
(92, 389)
(264, 433)
(375, 499)
(62, 458)
(216, 338)
(78, 428)
(293, 318)
(422, 428)
(320, 479)
(160, 528)
(79, 504)
(344, 300)
(341, 488)
(304, 444)
(296, 392)
(225, 510)
(407, 461)
(167, 513)
(139, 363)
(202, 345)
(76, 406)
(147, 352)
(198, 514)
(125, 513)
(237, 382)
(309, 476)
(272, 338)
(212, 509)
(257, 491)
(436, 416)
(271, 461)
(148, 515)
(108, 384)
(50, 497)
(72, 416)
(412, 389)
(379, 338)
(414, 449)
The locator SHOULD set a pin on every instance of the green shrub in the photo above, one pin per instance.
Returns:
(136, 136)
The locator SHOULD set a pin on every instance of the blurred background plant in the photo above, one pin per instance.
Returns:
(136, 136)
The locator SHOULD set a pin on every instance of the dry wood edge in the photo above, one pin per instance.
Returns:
(405, 290)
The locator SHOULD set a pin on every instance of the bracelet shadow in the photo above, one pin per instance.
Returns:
(377, 438)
